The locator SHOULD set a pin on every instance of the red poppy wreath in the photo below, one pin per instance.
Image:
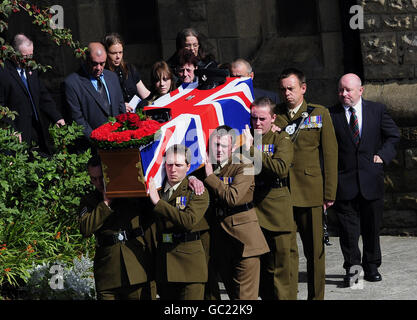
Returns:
(127, 130)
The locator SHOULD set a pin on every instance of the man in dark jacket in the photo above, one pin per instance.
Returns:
(22, 91)
(93, 93)
(366, 137)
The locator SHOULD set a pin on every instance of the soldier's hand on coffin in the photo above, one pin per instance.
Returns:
(275, 128)
(207, 166)
(106, 199)
(196, 185)
(153, 192)
(248, 138)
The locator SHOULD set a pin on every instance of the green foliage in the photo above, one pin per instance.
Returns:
(41, 18)
(39, 199)
(6, 113)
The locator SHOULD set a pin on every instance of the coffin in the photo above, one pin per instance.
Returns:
(188, 114)
(123, 173)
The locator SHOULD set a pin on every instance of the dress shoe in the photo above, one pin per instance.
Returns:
(372, 276)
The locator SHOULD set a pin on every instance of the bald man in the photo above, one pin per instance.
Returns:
(242, 68)
(367, 137)
(93, 94)
(22, 91)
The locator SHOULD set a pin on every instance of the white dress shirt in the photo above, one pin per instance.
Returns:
(19, 70)
(358, 109)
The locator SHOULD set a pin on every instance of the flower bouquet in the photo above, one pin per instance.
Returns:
(127, 130)
(119, 142)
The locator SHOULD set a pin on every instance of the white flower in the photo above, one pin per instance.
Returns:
(78, 281)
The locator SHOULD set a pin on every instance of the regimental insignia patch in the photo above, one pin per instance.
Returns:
(291, 129)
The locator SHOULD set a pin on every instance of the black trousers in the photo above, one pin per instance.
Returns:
(360, 217)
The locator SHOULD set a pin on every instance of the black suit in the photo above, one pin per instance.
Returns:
(360, 190)
(14, 94)
(87, 106)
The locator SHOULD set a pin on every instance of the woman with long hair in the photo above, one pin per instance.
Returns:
(129, 77)
(162, 81)
(190, 39)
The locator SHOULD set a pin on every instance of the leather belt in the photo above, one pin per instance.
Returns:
(180, 237)
(120, 236)
(223, 213)
(278, 183)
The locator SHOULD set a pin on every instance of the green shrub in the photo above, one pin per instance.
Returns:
(39, 199)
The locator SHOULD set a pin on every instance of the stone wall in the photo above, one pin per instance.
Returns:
(389, 39)
(248, 29)
(232, 27)
(319, 55)
(400, 215)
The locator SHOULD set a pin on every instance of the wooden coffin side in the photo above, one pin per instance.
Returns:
(123, 174)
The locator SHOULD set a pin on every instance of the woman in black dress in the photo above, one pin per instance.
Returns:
(129, 77)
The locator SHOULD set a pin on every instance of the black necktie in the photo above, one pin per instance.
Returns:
(25, 82)
(102, 91)
(354, 125)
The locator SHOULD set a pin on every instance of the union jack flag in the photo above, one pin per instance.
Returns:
(194, 113)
